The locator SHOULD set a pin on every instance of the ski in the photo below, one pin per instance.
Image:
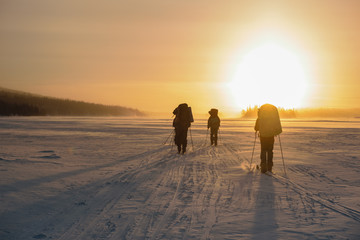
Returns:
(266, 173)
(269, 173)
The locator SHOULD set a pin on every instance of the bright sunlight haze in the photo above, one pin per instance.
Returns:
(269, 74)
(154, 55)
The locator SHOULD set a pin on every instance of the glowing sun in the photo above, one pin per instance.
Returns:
(269, 74)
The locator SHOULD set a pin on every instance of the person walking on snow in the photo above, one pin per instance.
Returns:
(268, 124)
(213, 124)
(181, 123)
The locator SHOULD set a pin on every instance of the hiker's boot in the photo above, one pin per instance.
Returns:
(183, 150)
(263, 167)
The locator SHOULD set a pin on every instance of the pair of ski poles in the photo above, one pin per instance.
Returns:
(282, 155)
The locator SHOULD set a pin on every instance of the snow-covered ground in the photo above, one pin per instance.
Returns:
(114, 178)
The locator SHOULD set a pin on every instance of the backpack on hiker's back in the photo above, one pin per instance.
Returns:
(268, 122)
(183, 116)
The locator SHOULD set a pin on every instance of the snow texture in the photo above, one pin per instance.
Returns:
(118, 178)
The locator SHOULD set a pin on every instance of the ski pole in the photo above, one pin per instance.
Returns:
(192, 143)
(206, 136)
(282, 155)
(252, 155)
(220, 139)
(171, 133)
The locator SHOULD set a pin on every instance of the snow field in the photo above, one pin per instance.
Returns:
(114, 178)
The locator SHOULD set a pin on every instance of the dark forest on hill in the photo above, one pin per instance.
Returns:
(15, 103)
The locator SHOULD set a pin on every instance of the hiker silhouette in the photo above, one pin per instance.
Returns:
(213, 124)
(181, 123)
(268, 124)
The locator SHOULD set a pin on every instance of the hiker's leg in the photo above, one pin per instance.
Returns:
(216, 136)
(263, 164)
(270, 153)
(184, 140)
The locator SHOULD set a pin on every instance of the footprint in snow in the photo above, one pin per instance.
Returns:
(82, 203)
(47, 151)
(40, 236)
(52, 156)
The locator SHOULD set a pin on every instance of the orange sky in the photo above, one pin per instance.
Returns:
(153, 55)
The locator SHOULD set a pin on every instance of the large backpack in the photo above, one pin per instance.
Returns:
(183, 116)
(269, 121)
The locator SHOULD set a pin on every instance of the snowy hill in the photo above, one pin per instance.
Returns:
(111, 178)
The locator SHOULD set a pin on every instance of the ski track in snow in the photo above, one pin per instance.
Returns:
(207, 193)
(328, 203)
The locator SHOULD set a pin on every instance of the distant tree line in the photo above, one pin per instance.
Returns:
(251, 112)
(14, 103)
(328, 113)
(11, 109)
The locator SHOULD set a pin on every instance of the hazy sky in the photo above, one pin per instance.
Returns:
(153, 55)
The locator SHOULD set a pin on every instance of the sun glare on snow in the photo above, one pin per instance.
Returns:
(269, 74)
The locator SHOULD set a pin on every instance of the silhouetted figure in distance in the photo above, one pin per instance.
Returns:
(181, 123)
(213, 124)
